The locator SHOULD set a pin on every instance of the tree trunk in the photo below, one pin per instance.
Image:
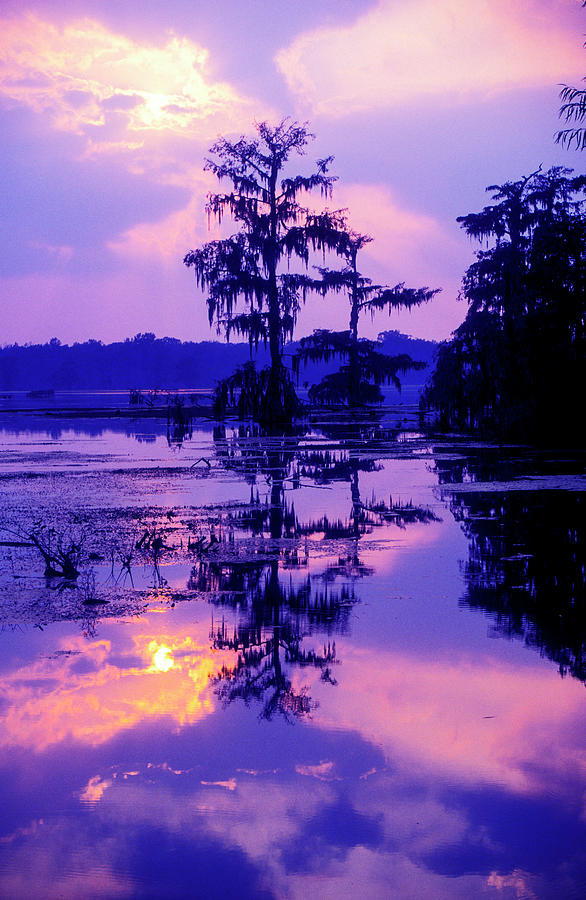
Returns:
(353, 354)
(274, 405)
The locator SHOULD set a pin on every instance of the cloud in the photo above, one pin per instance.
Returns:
(168, 239)
(400, 52)
(400, 234)
(84, 77)
(409, 246)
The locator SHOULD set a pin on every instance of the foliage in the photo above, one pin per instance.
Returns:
(512, 363)
(573, 109)
(249, 290)
(248, 390)
(365, 367)
(153, 369)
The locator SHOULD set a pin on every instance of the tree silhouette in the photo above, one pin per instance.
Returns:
(521, 347)
(249, 292)
(365, 367)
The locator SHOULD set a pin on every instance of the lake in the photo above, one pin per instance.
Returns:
(343, 661)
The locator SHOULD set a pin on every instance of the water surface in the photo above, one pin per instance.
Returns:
(343, 662)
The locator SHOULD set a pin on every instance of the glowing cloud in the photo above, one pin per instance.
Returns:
(84, 75)
(398, 52)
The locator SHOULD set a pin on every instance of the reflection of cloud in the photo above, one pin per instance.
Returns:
(398, 52)
(519, 881)
(51, 701)
(229, 785)
(94, 790)
(323, 771)
(487, 722)
(84, 880)
(307, 838)
(84, 75)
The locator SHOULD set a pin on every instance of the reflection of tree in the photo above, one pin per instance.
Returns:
(364, 516)
(276, 616)
(526, 568)
(278, 607)
(269, 641)
(179, 427)
(457, 464)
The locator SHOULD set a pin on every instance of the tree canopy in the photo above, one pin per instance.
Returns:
(251, 287)
(521, 347)
(364, 367)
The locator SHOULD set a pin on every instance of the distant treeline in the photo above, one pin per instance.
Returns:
(147, 362)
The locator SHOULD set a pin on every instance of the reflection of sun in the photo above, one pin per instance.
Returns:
(162, 659)
(49, 701)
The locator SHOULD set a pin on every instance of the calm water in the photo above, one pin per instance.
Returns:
(345, 663)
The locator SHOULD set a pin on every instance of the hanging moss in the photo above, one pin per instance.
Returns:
(510, 369)
(364, 368)
(250, 289)
(264, 395)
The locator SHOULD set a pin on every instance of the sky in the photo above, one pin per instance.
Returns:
(108, 108)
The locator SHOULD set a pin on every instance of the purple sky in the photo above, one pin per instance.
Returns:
(107, 108)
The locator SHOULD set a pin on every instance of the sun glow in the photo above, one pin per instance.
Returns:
(83, 74)
(162, 659)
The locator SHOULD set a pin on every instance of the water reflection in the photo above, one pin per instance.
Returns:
(275, 619)
(461, 463)
(276, 612)
(154, 755)
(526, 566)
